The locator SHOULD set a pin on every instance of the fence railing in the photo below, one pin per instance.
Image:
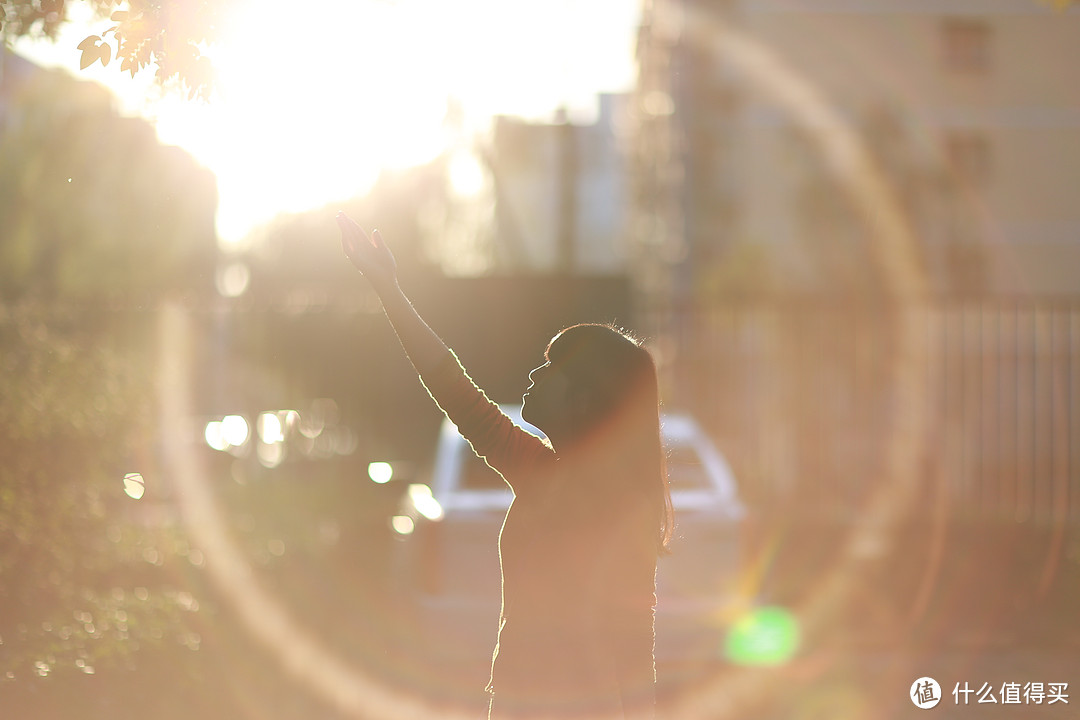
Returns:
(798, 395)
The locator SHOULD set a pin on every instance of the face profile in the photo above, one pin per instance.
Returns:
(546, 403)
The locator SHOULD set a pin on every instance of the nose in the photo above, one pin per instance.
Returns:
(536, 372)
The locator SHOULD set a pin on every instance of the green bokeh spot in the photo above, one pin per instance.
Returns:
(764, 636)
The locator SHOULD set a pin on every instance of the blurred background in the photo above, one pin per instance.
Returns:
(849, 232)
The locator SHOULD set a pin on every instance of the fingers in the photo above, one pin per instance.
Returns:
(348, 242)
(350, 226)
(368, 253)
(347, 224)
(353, 237)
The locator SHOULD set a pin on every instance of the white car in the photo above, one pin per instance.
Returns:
(450, 565)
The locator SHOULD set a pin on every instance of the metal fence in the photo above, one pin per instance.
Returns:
(798, 396)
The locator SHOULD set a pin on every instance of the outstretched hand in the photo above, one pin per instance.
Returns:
(368, 253)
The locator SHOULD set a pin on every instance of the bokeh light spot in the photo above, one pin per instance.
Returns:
(271, 455)
(234, 430)
(764, 636)
(214, 435)
(424, 502)
(232, 280)
(380, 472)
(402, 524)
(270, 428)
(134, 485)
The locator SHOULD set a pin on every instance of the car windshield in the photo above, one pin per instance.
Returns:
(686, 471)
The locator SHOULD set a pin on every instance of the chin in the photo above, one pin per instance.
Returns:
(528, 415)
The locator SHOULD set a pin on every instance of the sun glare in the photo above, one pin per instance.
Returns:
(313, 101)
(307, 110)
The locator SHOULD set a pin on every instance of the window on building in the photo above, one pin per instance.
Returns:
(966, 45)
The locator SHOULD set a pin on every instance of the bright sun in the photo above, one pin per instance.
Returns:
(306, 111)
(312, 101)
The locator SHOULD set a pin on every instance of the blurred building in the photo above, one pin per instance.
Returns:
(971, 108)
(765, 280)
(561, 194)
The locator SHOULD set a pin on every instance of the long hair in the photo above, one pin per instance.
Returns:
(615, 377)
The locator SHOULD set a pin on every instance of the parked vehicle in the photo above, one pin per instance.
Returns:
(450, 566)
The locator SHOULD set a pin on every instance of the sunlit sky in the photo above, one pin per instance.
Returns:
(307, 109)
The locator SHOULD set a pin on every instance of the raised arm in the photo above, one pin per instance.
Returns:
(491, 433)
(370, 255)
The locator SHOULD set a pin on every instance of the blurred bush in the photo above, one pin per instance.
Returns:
(85, 568)
(101, 222)
(94, 207)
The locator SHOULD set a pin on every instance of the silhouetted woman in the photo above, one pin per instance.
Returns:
(591, 510)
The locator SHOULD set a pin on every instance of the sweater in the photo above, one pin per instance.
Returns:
(578, 561)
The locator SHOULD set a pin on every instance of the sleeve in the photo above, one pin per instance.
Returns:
(507, 448)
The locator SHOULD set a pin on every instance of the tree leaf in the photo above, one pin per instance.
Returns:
(106, 54)
(119, 16)
(89, 42)
(90, 56)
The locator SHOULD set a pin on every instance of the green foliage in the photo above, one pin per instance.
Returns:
(99, 220)
(94, 207)
(168, 35)
(33, 17)
(81, 578)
